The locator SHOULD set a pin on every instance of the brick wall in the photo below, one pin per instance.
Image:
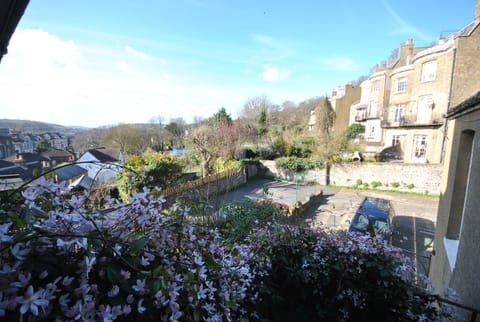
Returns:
(423, 177)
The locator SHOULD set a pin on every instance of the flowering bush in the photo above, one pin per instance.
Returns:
(60, 261)
(323, 276)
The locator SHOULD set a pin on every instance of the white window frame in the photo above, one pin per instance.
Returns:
(395, 140)
(401, 85)
(420, 143)
(424, 108)
(372, 108)
(429, 71)
(376, 86)
(398, 112)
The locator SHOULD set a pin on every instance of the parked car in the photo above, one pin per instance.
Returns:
(389, 154)
(373, 216)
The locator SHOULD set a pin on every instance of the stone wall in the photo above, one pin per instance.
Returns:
(421, 178)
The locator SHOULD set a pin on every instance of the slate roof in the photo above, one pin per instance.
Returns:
(10, 182)
(105, 155)
(5, 164)
(86, 182)
(26, 158)
(56, 153)
(69, 172)
(10, 13)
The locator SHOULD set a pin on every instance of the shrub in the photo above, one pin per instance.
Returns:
(376, 184)
(410, 186)
(395, 184)
(225, 164)
(297, 164)
(141, 262)
(240, 217)
(322, 276)
(263, 153)
(151, 170)
(353, 130)
(359, 182)
(302, 147)
(134, 262)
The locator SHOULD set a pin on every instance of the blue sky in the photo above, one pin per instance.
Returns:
(105, 62)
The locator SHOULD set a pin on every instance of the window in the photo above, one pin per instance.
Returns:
(398, 116)
(395, 140)
(429, 71)
(459, 195)
(371, 131)
(419, 148)
(401, 85)
(375, 86)
(372, 108)
(424, 108)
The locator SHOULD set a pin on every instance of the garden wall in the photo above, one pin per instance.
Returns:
(421, 178)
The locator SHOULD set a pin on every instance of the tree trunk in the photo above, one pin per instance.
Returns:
(327, 173)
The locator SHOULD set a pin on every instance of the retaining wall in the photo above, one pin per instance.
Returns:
(421, 178)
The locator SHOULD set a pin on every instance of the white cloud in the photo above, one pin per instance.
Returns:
(343, 64)
(136, 53)
(274, 74)
(122, 66)
(48, 79)
(403, 27)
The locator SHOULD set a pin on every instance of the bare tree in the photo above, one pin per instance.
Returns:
(129, 139)
(87, 140)
(204, 141)
(328, 144)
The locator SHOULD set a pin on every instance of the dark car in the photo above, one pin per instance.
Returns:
(373, 216)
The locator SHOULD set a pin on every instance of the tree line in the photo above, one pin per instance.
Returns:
(268, 130)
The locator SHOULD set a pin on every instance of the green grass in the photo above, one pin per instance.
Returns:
(361, 188)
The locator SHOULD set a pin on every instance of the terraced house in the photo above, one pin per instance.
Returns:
(404, 102)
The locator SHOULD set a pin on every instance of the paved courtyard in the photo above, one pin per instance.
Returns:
(413, 224)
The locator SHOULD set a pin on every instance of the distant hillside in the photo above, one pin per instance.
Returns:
(39, 127)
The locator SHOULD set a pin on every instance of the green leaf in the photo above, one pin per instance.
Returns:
(138, 245)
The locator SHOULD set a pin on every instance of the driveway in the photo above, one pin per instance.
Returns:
(413, 223)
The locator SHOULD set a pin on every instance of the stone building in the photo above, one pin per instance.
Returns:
(342, 98)
(413, 119)
(375, 97)
(456, 257)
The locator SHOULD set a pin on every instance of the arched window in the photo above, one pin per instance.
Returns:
(460, 183)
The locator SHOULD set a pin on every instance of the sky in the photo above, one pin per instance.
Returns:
(105, 62)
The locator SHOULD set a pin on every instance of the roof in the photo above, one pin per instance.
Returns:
(69, 172)
(105, 155)
(10, 182)
(56, 153)
(471, 104)
(10, 13)
(5, 164)
(86, 182)
(26, 157)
